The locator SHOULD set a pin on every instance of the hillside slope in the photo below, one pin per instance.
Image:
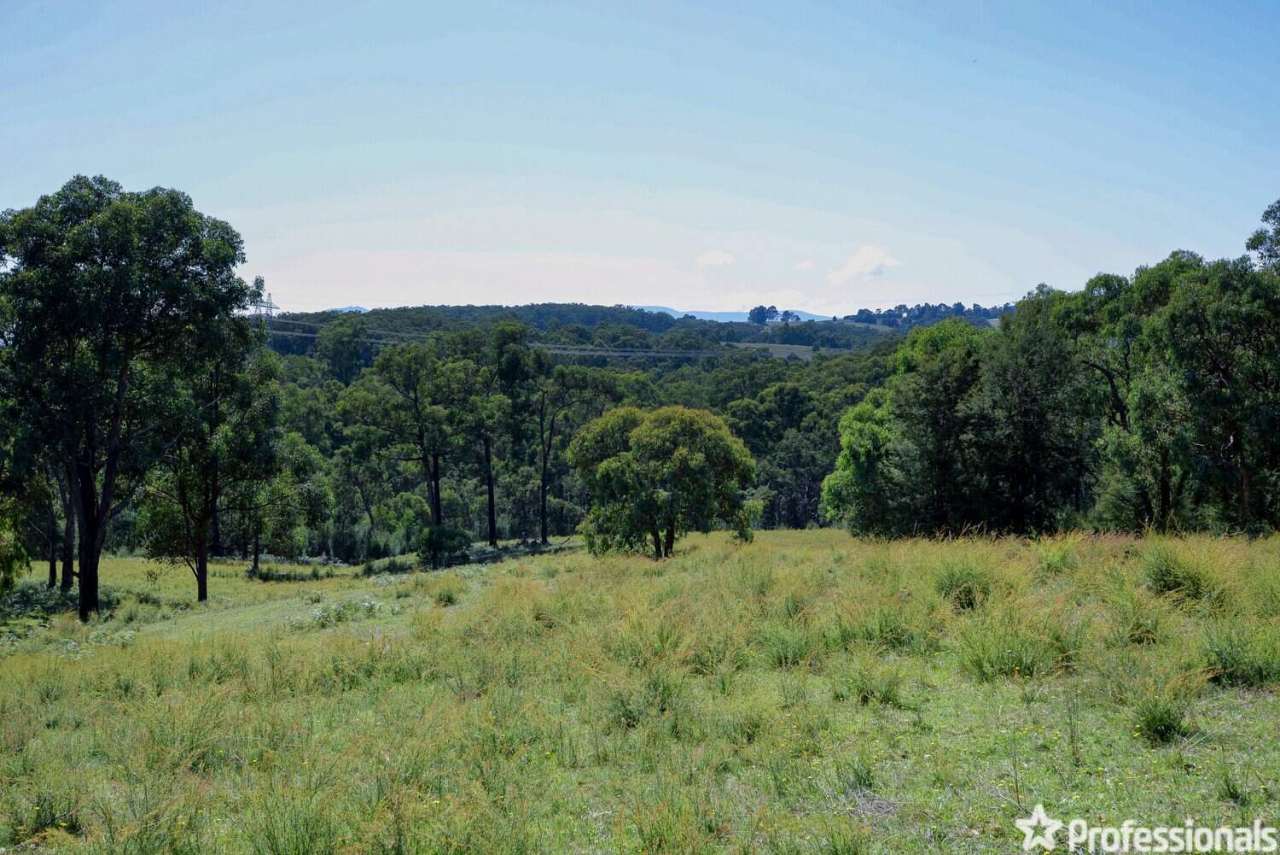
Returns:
(806, 691)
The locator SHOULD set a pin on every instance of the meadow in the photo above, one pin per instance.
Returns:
(806, 692)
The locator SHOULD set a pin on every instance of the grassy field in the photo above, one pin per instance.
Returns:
(803, 693)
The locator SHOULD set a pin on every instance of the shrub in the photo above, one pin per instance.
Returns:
(439, 545)
(390, 565)
(964, 586)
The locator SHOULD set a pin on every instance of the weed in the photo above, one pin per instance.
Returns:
(1167, 573)
(869, 682)
(963, 585)
(787, 645)
(1242, 655)
(999, 645)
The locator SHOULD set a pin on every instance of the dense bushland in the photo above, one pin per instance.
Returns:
(1142, 402)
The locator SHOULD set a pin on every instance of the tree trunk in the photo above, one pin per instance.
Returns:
(1246, 499)
(437, 506)
(257, 547)
(91, 537)
(368, 512)
(215, 533)
(488, 485)
(657, 544)
(542, 509)
(53, 549)
(88, 574)
(1164, 508)
(68, 549)
(670, 543)
(202, 572)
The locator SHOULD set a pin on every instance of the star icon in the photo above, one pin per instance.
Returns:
(1038, 820)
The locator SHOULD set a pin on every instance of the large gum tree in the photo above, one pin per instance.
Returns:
(106, 291)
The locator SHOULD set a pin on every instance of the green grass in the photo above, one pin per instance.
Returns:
(806, 692)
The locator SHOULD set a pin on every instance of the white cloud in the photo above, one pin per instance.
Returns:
(805, 265)
(867, 260)
(714, 258)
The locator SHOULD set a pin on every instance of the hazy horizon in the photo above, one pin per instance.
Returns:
(706, 159)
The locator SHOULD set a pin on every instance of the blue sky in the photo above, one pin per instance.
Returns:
(702, 156)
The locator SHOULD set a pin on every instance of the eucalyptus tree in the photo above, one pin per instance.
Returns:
(224, 422)
(654, 476)
(407, 406)
(106, 290)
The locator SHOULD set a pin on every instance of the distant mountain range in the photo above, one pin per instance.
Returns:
(726, 317)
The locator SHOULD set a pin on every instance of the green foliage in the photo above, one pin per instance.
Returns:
(108, 296)
(13, 557)
(1266, 240)
(1001, 645)
(655, 476)
(1161, 707)
(439, 545)
(1138, 402)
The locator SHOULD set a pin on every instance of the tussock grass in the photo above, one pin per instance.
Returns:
(806, 692)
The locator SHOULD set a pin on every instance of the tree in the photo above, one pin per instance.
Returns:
(655, 476)
(866, 491)
(1145, 472)
(1034, 439)
(1266, 241)
(405, 404)
(225, 435)
(906, 451)
(938, 368)
(13, 558)
(1221, 333)
(343, 346)
(105, 290)
(362, 479)
(761, 315)
(556, 394)
(487, 411)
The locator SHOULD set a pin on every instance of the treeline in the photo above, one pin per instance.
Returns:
(903, 316)
(1143, 401)
(568, 324)
(146, 406)
(144, 411)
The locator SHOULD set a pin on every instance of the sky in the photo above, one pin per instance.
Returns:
(707, 156)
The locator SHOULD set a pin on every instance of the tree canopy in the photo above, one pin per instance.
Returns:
(653, 476)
